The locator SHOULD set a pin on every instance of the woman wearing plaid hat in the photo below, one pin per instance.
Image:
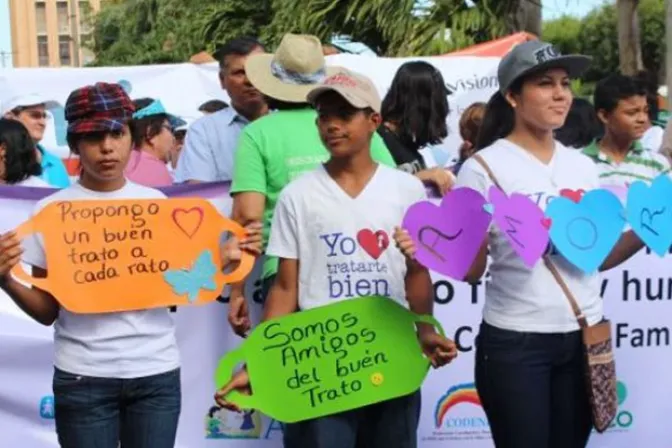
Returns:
(117, 375)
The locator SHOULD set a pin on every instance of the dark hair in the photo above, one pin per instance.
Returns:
(417, 103)
(650, 84)
(274, 104)
(581, 126)
(240, 46)
(143, 129)
(614, 88)
(20, 157)
(96, 136)
(212, 106)
(499, 118)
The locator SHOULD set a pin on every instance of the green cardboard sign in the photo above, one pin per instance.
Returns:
(330, 359)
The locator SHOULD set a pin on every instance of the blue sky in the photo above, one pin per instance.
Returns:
(5, 34)
(555, 8)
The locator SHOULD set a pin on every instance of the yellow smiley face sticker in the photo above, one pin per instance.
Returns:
(377, 379)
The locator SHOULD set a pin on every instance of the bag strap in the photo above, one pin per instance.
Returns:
(583, 323)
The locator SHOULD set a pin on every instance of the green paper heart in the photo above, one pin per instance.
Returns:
(330, 359)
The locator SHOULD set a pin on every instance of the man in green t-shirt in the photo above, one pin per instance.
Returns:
(277, 148)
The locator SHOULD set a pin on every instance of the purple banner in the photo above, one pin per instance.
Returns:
(208, 190)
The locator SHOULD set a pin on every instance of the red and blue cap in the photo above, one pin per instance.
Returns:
(102, 107)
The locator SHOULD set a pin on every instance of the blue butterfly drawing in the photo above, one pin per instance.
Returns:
(201, 276)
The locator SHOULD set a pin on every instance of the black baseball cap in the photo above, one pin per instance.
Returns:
(536, 56)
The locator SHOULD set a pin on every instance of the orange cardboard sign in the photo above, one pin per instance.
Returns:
(123, 255)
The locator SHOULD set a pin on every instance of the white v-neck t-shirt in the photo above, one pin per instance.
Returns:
(517, 297)
(130, 344)
(344, 245)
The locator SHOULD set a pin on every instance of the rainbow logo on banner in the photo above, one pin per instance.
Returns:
(462, 393)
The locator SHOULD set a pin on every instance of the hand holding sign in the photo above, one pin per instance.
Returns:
(122, 255)
(522, 223)
(586, 231)
(649, 212)
(448, 237)
(329, 359)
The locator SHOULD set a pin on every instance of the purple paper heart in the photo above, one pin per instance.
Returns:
(522, 223)
(449, 236)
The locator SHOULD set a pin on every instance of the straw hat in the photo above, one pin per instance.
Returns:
(297, 66)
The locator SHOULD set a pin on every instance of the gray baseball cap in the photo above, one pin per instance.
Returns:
(536, 56)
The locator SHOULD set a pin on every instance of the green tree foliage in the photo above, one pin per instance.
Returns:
(129, 32)
(564, 33)
(134, 32)
(597, 36)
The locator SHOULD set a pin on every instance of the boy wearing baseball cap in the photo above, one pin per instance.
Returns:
(344, 199)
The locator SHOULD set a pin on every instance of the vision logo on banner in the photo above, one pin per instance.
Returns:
(458, 416)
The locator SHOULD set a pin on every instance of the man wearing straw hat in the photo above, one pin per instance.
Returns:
(278, 147)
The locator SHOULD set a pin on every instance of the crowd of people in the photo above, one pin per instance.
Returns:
(314, 154)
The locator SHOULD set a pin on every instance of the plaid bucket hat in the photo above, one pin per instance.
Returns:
(101, 107)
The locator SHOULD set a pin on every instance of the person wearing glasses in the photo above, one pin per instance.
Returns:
(31, 110)
(153, 132)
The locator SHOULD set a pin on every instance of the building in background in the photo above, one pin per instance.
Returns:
(51, 33)
(5, 36)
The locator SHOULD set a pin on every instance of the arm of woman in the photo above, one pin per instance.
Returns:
(438, 177)
(477, 268)
(628, 245)
(38, 304)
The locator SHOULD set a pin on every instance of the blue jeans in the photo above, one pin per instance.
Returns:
(96, 412)
(389, 424)
(533, 389)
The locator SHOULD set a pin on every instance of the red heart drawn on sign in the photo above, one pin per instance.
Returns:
(546, 222)
(574, 195)
(373, 244)
(189, 221)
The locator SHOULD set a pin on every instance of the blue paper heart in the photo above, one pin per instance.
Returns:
(649, 212)
(440, 155)
(586, 232)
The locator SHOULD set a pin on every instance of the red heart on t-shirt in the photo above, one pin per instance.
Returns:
(574, 195)
(546, 222)
(373, 244)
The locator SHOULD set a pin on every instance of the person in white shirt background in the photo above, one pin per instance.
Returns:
(18, 159)
(530, 373)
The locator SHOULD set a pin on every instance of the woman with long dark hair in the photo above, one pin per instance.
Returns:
(18, 159)
(530, 365)
(414, 116)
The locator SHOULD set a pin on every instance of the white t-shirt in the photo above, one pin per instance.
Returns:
(516, 297)
(130, 344)
(344, 245)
